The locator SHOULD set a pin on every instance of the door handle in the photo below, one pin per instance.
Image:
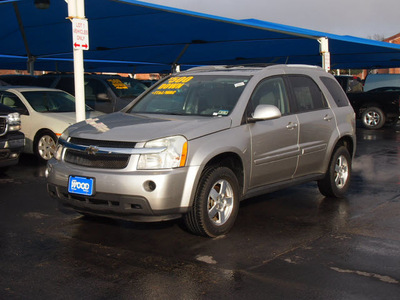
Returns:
(291, 126)
(328, 118)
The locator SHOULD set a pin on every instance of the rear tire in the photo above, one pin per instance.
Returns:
(373, 118)
(337, 179)
(216, 203)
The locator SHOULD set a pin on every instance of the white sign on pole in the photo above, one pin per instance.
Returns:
(80, 32)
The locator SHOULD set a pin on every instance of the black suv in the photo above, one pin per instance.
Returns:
(105, 93)
(12, 141)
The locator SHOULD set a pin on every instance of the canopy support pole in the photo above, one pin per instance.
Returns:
(76, 9)
(324, 51)
(175, 65)
(31, 59)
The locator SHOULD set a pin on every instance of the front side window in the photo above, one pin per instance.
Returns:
(271, 91)
(204, 95)
(307, 94)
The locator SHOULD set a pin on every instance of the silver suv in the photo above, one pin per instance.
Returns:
(200, 141)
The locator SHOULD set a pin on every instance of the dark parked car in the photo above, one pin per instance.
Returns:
(105, 93)
(378, 107)
(17, 79)
(12, 141)
(374, 107)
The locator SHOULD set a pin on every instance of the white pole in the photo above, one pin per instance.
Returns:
(324, 51)
(76, 9)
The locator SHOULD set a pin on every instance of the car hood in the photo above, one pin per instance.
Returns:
(140, 128)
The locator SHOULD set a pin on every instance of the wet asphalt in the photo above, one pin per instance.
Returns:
(291, 244)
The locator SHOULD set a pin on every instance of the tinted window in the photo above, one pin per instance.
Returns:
(66, 84)
(307, 94)
(11, 100)
(336, 91)
(45, 81)
(94, 87)
(126, 87)
(271, 91)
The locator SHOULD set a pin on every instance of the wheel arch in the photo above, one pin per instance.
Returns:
(365, 106)
(37, 136)
(347, 142)
(230, 160)
(40, 132)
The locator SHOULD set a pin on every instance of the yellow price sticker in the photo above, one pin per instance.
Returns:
(118, 84)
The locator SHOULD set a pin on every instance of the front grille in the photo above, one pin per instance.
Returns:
(98, 143)
(98, 160)
(3, 125)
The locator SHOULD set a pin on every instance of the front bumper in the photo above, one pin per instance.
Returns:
(11, 146)
(144, 196)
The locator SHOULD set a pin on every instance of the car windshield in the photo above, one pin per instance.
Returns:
(126, 87)
(205, 95)
(51, 101)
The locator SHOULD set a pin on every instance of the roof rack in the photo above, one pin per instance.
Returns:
(252, 65)
(225, 67)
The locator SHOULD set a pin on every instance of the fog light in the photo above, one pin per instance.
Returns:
(149, 186)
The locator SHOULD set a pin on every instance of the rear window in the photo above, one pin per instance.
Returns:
(336, 91)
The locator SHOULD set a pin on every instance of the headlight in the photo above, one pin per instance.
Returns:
(65, 135)
(59, 148)
(59, 151)
(14, 121)
(174, 155)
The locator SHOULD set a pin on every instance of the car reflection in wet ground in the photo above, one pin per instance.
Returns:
(293, 244)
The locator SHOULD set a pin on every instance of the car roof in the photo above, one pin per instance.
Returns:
(21, 88)
(250, 69)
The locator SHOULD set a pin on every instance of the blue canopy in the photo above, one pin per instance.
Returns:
(137, 37)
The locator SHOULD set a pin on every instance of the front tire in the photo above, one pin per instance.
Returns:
(216, 203)
(373, 118)
(337, 179)
(45, 145)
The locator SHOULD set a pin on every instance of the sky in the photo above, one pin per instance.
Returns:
(361, 18)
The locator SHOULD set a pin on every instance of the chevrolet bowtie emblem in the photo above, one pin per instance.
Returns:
(91, 150)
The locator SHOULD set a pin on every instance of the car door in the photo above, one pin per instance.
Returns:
(274, 143)
(316, 124)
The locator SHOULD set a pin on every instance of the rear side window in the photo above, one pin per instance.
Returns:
(336, 91)
(306, 93)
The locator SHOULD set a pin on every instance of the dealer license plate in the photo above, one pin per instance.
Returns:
(81, 185)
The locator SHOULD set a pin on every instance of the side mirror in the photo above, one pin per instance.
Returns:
(23, 111)
(265, 112)
(102, 97)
